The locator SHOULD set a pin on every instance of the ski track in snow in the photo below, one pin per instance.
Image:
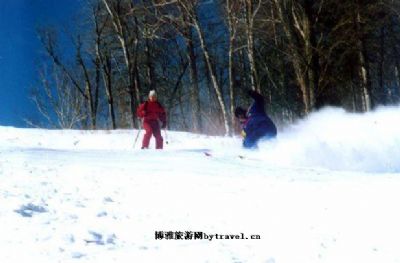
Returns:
(72, 196)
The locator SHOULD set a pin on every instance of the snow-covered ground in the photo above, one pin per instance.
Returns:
(327, 190)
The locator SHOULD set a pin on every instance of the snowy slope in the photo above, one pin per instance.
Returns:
(326, 190)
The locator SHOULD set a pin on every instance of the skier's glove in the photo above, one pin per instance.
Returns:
(164, 125)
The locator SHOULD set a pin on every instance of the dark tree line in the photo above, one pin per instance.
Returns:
(202, 55)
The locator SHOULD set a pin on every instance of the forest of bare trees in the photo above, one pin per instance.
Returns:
(202, 55)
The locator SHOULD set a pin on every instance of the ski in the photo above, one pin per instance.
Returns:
(209, 154)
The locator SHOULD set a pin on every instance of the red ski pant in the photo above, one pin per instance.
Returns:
(152, 128)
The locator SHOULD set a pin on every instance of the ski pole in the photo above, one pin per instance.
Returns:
(166, 136)
(137, 135)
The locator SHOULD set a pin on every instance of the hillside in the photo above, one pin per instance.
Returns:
(325, 191)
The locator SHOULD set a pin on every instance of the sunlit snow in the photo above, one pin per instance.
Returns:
(326, 190)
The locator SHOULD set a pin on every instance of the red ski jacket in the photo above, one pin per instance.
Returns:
(151, 111)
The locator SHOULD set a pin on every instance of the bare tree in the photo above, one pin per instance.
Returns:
(297, 25)
(91, 89)
(232, 11)
(189, 7)
(250, 12)
(57, 100)
(128, 39)
(48, 39)
(102, 59)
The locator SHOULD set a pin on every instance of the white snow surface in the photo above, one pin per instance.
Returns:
(326, 190)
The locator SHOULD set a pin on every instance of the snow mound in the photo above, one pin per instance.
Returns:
(334, 139)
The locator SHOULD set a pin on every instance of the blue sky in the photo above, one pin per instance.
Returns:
(20, 50)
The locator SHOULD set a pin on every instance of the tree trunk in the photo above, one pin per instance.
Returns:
(211, 71)
(88, 85)
(363, 63)
(150, 68)
(194, 82)
(312, 57)
(232, 35)
(298, 33)
(249, 14)
(383, 91)
(231, 79)
(121, 35)
(107, 77)
(395, 96)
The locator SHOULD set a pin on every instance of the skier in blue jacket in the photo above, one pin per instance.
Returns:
(254, 122)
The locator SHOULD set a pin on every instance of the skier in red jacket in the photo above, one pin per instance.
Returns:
(154, 118)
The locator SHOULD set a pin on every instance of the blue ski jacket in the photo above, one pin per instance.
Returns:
(258, 125)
